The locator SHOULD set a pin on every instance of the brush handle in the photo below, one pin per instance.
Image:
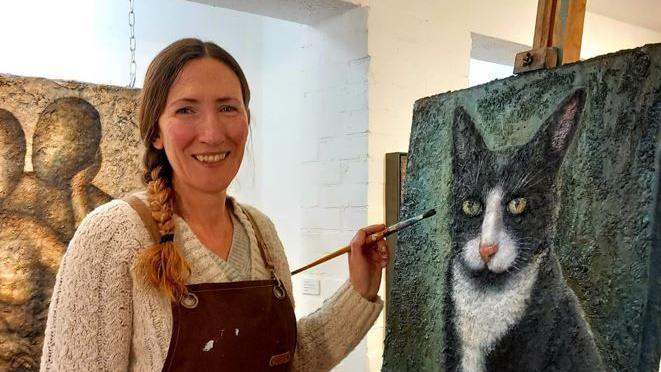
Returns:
(339, 252)
(370, 239)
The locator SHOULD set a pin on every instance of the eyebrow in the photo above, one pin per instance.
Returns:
(193, 100)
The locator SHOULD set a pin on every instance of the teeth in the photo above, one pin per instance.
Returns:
(211, 158)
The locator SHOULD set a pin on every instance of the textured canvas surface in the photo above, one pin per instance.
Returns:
(603, 227)
(65, 148)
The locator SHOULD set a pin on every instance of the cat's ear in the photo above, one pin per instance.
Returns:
(468, 144)
(553, 140)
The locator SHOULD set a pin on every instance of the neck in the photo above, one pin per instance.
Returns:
(205, 210)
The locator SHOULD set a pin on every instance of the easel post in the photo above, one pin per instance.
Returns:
(558, 36)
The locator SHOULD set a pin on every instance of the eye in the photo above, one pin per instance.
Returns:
(517, 206)
(227, 108)
(472, 208)
(184, 110)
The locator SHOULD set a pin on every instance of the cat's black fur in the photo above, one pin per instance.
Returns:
(552, 335)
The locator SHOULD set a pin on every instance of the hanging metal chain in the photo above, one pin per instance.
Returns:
(132, 64)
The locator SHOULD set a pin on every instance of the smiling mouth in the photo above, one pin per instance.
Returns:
(211, 158)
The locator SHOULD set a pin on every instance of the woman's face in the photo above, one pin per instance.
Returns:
(204, 127)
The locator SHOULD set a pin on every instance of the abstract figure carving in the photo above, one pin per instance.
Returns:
(29, 257)
(38, 213)
(65, 159)
(12, 153)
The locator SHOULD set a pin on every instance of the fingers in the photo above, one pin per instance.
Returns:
(379, 255)
(376, 253)
(361, 235)
(371, 229)
(382, 250)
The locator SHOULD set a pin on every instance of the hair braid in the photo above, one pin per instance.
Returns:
(163, 265)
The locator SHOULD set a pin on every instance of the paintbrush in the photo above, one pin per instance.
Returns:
(371, 239)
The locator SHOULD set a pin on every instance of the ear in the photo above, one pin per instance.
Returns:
(468, 144)
(557, 133)
(158, 142)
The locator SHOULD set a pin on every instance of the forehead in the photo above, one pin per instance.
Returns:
(205, 76)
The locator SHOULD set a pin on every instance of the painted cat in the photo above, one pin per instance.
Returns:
(510, 307)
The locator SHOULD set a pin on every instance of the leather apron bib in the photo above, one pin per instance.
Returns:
(235, 326)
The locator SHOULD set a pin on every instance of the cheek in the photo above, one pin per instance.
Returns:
(178, 137)
(237, 135)
(238, 132)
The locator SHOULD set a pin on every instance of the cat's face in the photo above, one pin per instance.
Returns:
(502, 208)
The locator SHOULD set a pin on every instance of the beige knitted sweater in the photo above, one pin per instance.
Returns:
(102, 317)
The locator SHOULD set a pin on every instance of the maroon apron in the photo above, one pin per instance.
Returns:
(236, 326)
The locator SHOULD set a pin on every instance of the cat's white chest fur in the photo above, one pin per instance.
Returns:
(482, 316)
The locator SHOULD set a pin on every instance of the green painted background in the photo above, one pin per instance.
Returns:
(608, 234)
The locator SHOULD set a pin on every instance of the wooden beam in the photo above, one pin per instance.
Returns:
(558, 35)
(568, 33)
(546, 10)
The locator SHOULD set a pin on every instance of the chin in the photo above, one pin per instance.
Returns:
(206, 185)
(213, 188)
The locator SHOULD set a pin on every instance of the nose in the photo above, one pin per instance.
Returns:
(212, 130)
(487, 251)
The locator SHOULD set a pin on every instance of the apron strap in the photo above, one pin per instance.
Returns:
(260, 242)
(145, 216)
(279, 289)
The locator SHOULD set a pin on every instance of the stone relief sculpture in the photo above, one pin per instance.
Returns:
(41, 207)
(65, 157)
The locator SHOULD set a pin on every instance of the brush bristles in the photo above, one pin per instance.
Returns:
(429, 213)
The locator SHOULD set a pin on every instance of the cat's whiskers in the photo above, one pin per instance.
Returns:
(478, 171)
(527, 178)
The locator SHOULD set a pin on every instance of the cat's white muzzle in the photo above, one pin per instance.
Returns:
(499, 262)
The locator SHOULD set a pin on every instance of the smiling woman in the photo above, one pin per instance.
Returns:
(203, 131)
(153, 281)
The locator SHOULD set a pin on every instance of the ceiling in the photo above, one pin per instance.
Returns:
(302, 11)
(644, 13)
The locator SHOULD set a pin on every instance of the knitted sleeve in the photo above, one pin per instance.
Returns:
(89, 319)
(329, 334)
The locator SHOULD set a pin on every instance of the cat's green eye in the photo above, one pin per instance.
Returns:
(472, 208)
(517, 206)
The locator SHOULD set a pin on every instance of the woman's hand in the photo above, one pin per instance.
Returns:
(366, 262)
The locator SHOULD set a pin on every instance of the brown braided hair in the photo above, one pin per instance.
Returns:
(162, 265)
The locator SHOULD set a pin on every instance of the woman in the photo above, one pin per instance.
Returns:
(183, 276)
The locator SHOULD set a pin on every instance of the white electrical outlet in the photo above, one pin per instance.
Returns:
(311, 287)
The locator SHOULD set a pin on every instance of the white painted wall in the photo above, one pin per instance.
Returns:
(481, 72)
(603, 35)
(315, 146)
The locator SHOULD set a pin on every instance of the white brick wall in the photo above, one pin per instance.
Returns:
(318, 94)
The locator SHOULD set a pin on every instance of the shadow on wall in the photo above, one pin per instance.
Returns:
(39, 212)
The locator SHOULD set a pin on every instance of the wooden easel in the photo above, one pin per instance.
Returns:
(558, 36)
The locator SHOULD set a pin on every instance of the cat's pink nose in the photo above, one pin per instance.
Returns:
(487, 251)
